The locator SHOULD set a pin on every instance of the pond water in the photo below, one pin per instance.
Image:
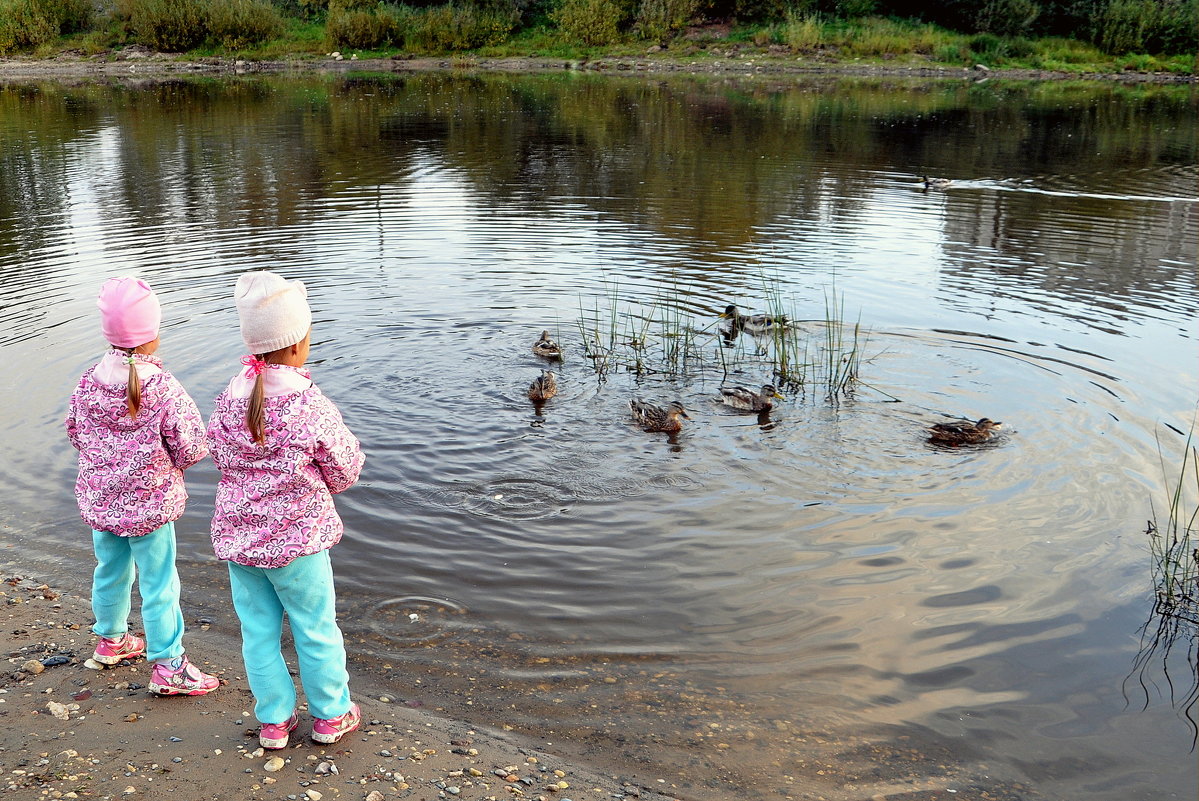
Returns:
(817, 603)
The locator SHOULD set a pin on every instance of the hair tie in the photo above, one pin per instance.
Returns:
(129, 359)
(254, 365)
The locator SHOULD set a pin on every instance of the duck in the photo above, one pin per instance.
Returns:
(544, 387)
(962, 432)
(935, 183)
(547, 347)
(747, 399)
(756, 324)
(658, 418)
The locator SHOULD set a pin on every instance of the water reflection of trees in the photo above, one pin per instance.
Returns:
(714, 162)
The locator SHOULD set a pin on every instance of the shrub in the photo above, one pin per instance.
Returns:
(950, 53)
(661, 19)
(1173, 28)
(171, 26)
(361, 29)
(240, 23)
(852, 9)
(1008, 17)
(304, 9)
(29, 23)
(450, 27)
(70, 16)
(24, 24)
(759, 10)
(803, 31)
(591, 22)
(1124, 25)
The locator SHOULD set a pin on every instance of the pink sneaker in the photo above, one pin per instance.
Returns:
(332, 730)
(181, 677)
(110, 651)
(274, 735)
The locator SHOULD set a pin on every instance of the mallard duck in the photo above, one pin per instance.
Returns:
(544, 387)
(747, 399)
(547, 347)
(658, 418)
(963, 432)
(756, 324)
(935, 183)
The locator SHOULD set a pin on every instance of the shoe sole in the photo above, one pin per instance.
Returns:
(166, 689)
(116, 659)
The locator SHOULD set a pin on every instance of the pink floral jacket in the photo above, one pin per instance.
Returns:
(274, 502)
(131, 469)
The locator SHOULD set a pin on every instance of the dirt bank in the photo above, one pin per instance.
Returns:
(70, 732)
(138, 62)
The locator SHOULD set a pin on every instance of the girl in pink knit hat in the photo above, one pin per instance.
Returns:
(283, 452)
(136, 430)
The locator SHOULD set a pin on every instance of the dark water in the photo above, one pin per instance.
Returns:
(814, 604)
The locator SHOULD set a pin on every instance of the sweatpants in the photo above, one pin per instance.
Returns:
(152, 559)
(303, 589)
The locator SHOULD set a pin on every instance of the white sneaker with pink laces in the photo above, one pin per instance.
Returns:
(179, 676)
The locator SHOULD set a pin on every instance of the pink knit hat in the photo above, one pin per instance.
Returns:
(129, 312)
(273, 311)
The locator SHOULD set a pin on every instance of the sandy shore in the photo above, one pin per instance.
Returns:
(138, 62)
(71, 732)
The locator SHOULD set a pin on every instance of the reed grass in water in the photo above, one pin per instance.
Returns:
(1173, 543)
(1173, 625)
(663, 339)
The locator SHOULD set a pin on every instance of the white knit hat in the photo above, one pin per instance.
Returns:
(274, 312)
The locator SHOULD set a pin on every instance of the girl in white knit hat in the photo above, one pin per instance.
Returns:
(283, 452)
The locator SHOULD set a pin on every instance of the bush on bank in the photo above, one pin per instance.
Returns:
(26, 24)
(1048, 34)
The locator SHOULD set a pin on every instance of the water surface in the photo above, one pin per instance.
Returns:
(816, 603)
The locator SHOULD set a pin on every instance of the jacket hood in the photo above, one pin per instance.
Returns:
(106, 405)
(228, 423)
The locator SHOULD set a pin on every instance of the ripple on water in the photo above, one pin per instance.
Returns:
(415, 620)
(517, 498)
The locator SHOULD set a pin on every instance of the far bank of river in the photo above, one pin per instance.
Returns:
(140, 62)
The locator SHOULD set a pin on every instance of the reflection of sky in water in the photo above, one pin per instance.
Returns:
(828, 564)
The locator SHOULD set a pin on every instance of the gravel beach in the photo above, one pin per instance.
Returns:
(72, 732)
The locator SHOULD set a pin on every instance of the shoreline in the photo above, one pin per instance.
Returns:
(73, 732)
(137, 62)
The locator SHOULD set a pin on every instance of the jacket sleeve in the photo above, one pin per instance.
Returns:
(72, 421)
(337, 455)
(183, 428)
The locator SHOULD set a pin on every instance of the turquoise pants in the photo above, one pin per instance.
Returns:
(304, 590)
(153, 556)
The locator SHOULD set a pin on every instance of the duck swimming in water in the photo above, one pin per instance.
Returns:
(544, 387)
(756, 324)
(935, 183)
(747, 399)
(658, 418)
(547, 347)
(963, 432)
